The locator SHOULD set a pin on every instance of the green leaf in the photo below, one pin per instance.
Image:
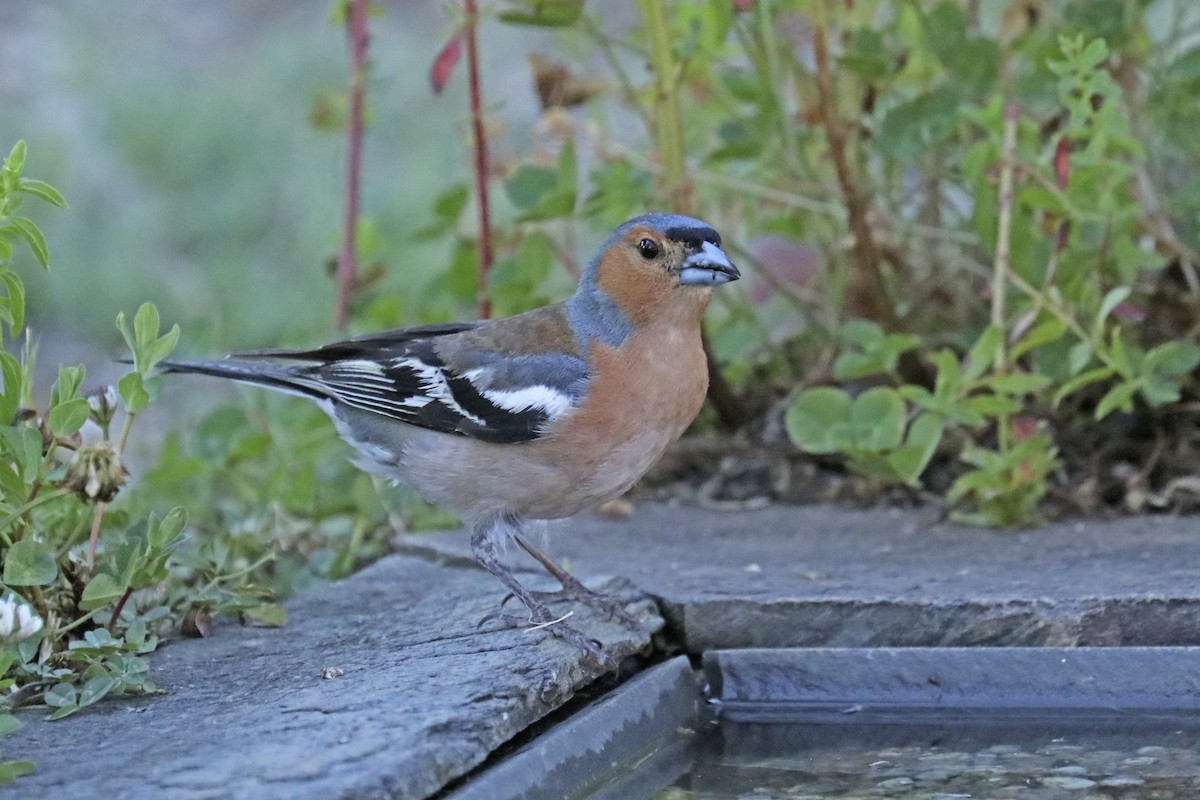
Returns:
(165, 533)
(1079, 357)
(145, 327)
(924, 435)
(15, 302)
(949, 380)
(102, 590)
(43, 190)
(59, 695)
(1041, 334)
(982, 355)
(133, 392)
(990, 405)
(10, 393)
(1121, 354)
(160, 348)
(1079, 381)
(1173, 358)
(567, 175)
(127, 333)
(15, 161)
(68, 417)
(1017, 383)
(529, 185)
(11, 770)
(95, 689)
(1118, 397)
(1160, 391)
(267, 615)
(849, 366)
(877, 419)
(863, 332)
(8, 723)
(543, 13)
(29, 563)
(34, 237)
(1111, 300)
(819, 420)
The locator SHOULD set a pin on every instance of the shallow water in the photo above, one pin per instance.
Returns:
(1041, 755)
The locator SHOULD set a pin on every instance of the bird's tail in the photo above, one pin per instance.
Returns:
(258, 373)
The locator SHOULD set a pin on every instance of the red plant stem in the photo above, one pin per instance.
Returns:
(116, 614)
(479, 141)
(347, 262)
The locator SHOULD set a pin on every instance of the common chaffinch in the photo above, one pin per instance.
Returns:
(533, 417)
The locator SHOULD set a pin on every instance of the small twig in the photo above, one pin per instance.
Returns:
(541, 625)
(347, 262)
(479, 143)
(604, 43)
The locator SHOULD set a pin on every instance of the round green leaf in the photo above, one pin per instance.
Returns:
(877, 419)
(29, 563)
(819, 420)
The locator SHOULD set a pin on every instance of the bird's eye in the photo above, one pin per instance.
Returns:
(648, 249)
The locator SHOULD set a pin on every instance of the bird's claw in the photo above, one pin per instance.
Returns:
(542, 619)
(613, 607)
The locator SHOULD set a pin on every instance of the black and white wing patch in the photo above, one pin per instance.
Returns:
(498, 399)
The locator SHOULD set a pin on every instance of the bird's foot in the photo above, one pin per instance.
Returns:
(573, 589)
(541, 618)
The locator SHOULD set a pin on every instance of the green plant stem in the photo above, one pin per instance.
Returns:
(768, 41)
(29, 506)
(229, 576)
(1004, 223)
(75, 624)
(1039, 297)
(1000, 267)
(668, 119)
(126, 424)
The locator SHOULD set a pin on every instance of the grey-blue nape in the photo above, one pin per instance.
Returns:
(593, 315)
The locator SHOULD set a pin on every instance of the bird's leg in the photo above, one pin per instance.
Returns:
(540, 615)
(573, 588)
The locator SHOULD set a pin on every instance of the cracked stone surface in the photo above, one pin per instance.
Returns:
(826, 577)
(424, 698)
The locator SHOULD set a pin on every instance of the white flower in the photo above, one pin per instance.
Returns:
(103, 404)
(17, 620)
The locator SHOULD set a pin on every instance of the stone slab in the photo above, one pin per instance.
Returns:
(585, 754)
(826, 577)
(424, 697)
(750, 682)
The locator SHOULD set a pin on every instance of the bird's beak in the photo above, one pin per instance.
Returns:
(708, 267)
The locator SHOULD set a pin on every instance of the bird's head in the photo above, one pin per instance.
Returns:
(659, 264)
